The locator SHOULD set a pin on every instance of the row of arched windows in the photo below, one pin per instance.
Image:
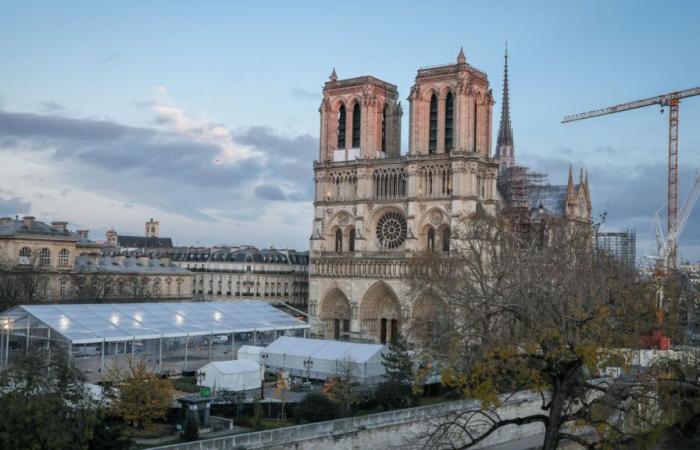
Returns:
(389, 182)
(434, 181)
(435, 242)
(339, 240)
(448, 125)
(342, 124)
(25, 254)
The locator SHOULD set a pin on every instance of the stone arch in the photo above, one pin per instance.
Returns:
(380, 313)
(335, 312)
(427, 316)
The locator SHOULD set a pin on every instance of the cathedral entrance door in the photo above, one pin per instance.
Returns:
(382, 332)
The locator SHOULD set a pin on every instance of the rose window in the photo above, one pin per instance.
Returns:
(391, 230)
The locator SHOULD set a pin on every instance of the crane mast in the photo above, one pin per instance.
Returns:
(672, 101)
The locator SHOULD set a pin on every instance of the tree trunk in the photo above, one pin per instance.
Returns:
(551, 434)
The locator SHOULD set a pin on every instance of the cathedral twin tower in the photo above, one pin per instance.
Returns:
(374, 208)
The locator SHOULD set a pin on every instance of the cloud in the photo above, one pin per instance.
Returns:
(269, 192)
(186, 165)
(109, 58)
(52, 107)
(303, 94)
(13, 206)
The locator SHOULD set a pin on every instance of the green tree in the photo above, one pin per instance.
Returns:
(342, 386)
(538, 312)
(315, 407)
(46, 405)
(138, 395)
(258, 414)
(398, 362)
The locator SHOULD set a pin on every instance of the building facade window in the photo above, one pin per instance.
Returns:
(384, 129)
(449, 121)
(351, 240)
(338, 241)
(179, 287)
(44, 257)
(25, 255)
(63, 256)
(431, 239)
(341, 127)
(356, 119)
(432, 125)
(446, 240)
(62, 289)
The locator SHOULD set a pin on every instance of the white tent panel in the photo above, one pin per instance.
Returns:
(85, 323)
(289, 353)
(250, 352)
(239, 375)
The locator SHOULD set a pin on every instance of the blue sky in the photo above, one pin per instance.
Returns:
(205, 115)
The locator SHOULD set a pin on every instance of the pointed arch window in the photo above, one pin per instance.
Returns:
(384, 129)
(432, 125)
(351, 240)
(446, 240)
(431, 239)
(338, 241)
(341, 127)
(356, 126)
(449, 121)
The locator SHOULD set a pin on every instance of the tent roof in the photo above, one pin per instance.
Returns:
(324, 349)
(91, 323)
(250, 349)
(235, 366)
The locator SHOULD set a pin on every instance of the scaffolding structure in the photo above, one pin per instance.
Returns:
(621, 244)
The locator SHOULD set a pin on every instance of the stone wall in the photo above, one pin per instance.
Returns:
(393, 429)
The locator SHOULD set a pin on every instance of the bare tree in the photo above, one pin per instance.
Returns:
(539, 312)
(21, 284)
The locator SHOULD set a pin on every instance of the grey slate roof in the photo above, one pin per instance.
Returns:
(247, 254)
(143, 242)
(16, 228)
(116, 265)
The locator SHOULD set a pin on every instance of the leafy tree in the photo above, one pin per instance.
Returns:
(191, 431)
(315, 407)
(393, 395)
(46, 405)
(538, 312)
(138, 395)
(281, 390)
(398, 362)
(342, 386)
(258, 414)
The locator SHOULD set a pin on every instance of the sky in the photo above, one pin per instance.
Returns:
(204, 115)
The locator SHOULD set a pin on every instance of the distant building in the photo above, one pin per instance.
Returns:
(51, 263)
(150, 240)
(621, 245)
(245, 272)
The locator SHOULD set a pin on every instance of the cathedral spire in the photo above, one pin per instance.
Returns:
(505, 151)
(334, 76)
(461, 59)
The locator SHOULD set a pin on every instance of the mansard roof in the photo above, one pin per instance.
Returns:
(144, 242)
(38, 229)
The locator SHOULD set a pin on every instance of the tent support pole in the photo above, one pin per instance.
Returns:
(187, 338)
(26, 348)
(160, 354)
(7, 346)
(211, 338)
(233, 346)
(102, 357)
(133, 345)
(255, 336)
(2, 348)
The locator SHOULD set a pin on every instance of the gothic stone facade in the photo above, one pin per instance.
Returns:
(374, 208)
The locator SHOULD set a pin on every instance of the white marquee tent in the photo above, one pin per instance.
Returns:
(322, 358)
(251, 352)
(237, 376)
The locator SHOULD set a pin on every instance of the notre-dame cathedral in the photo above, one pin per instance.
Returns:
(374, 207)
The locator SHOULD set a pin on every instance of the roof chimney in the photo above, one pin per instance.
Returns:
(83, 233)
(59, 226)
(28, 221)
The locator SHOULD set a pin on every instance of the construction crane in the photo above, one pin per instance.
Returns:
(665, 247)
(672, 101)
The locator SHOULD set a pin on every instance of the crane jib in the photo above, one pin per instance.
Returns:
(662, 100)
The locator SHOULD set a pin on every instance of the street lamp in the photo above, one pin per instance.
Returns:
(308, 364)
(263, 359)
